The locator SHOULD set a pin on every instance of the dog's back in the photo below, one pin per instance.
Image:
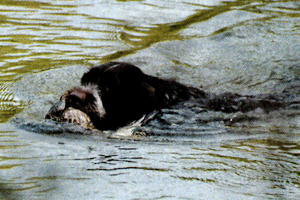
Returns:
(128, 94)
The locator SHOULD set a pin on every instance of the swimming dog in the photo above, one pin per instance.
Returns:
(116, 94)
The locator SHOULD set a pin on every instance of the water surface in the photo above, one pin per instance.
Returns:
(249, 47)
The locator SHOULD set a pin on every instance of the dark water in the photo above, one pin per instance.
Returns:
(249, 47)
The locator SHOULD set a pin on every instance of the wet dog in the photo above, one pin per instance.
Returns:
(115, 94)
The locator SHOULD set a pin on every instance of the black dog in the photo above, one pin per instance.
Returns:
(115, 94)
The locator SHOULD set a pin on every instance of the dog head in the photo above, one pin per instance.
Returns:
(84, 98)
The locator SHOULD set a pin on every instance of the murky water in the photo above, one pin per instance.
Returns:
(244, 46)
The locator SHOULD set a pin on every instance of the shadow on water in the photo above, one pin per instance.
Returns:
(167, 32)
(171, 31)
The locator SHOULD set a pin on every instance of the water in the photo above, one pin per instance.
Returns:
(249, 47)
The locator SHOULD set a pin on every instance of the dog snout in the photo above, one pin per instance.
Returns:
(56, 110)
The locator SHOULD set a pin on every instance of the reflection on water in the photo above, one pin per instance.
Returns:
(250, 47)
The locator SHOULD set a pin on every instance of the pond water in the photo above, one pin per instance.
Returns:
(244, 46)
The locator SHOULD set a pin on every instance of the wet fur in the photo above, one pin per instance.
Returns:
(115, 94)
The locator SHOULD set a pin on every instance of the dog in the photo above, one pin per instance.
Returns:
(115, 94)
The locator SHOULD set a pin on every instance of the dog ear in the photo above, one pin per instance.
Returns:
(80, 94)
